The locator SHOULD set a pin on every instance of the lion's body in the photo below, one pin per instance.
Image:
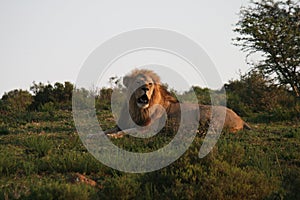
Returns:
(232, 122)
(144, 94)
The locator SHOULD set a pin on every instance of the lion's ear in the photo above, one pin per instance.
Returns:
(126, 81)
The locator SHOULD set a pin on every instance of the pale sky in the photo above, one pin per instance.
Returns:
(50, 40)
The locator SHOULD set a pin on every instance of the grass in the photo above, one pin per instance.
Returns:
(41, 145)
(41, 157)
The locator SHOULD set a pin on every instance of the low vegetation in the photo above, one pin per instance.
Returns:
(42, 162)
(42, 157)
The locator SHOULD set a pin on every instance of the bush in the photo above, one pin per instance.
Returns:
(8, 163)
(224, 174)
(16, 101)
(48, 107)
(121, 187)
(38, 144)
(69, 161)
(292, 183)
(253, 93)
(58, 190)
(4, 130)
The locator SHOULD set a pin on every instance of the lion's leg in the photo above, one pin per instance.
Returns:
(107, 132)
(120, 134)
(113, 130)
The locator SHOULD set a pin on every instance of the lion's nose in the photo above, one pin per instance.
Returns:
(145, 89)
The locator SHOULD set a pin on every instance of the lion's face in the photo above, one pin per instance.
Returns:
(142, 88)
(143, 91)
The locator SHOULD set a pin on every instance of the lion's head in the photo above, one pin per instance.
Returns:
(144, 90)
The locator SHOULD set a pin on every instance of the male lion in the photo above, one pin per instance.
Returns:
(149, 101)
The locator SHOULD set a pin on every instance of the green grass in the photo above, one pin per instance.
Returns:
(40, 156)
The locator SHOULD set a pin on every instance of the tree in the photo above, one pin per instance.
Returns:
(272, 28)
(63, 92)
(60, 94)
(68, 90)
(17, 100)
(42, 94)
(253, 92)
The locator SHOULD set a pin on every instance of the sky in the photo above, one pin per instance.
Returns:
(49, 41)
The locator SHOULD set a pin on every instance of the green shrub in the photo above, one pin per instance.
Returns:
(121, 187)
(48, 107)
(4, 130)
(69, 161)
(9, 163)
(28, 168)
(291, 183)
(38, 144)
(275, 115)
(254, 93)
(57, 190)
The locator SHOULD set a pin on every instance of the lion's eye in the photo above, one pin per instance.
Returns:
(150, 84)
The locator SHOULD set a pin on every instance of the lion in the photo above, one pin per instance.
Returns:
(148, 101)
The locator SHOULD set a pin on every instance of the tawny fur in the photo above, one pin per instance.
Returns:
(159, 95)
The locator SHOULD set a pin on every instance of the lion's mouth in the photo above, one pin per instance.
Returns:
(143, 100)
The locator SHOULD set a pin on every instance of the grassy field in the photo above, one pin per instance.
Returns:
(42, 157)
